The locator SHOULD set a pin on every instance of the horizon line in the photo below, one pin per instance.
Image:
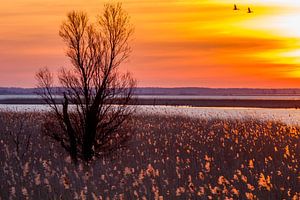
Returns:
(179, 87)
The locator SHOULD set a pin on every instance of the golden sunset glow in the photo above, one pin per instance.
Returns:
(200, 43)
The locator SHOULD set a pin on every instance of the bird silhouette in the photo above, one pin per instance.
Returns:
(235, 7)
(249, 10)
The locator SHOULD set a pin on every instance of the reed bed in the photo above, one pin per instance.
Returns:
(168, 157)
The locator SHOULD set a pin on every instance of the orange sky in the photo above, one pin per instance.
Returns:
(202, 43)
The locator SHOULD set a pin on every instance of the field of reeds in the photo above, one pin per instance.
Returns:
(168, 157)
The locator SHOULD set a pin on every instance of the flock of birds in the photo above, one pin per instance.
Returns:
(236, 8)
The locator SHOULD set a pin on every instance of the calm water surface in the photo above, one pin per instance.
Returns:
(3, 97)
(289, 116)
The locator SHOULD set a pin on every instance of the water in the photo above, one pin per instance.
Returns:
(182, 97)
(29, 96)
(288, 116)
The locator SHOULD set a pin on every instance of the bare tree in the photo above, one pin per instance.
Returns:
(98, 92)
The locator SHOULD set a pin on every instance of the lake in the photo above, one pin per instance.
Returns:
(181, 97)
(289, 116)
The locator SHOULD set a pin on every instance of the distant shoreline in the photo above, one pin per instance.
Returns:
(250, 103)
(202, 91)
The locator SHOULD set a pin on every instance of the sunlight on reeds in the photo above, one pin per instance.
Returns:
(168, 157)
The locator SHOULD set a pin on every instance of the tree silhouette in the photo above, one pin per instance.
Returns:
(98, 92)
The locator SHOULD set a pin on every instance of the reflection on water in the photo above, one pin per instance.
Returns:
(12, 96)
(219, 97)
(289, 116)
(3, 97)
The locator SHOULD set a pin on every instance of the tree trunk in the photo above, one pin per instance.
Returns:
(89, 139)
(70, 131)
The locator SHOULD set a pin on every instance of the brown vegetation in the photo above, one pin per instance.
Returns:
(169, 157)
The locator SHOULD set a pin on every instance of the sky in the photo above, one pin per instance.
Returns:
(176, 43)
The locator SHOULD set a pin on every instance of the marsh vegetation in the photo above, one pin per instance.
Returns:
(168, 157)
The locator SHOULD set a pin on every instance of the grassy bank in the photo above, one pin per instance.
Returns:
(168, 157)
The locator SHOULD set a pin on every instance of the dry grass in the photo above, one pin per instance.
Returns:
(168, 157)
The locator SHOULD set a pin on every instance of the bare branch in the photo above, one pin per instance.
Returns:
(96, 95)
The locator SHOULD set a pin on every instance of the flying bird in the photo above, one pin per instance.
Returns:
(249, 10)
(235, 7)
